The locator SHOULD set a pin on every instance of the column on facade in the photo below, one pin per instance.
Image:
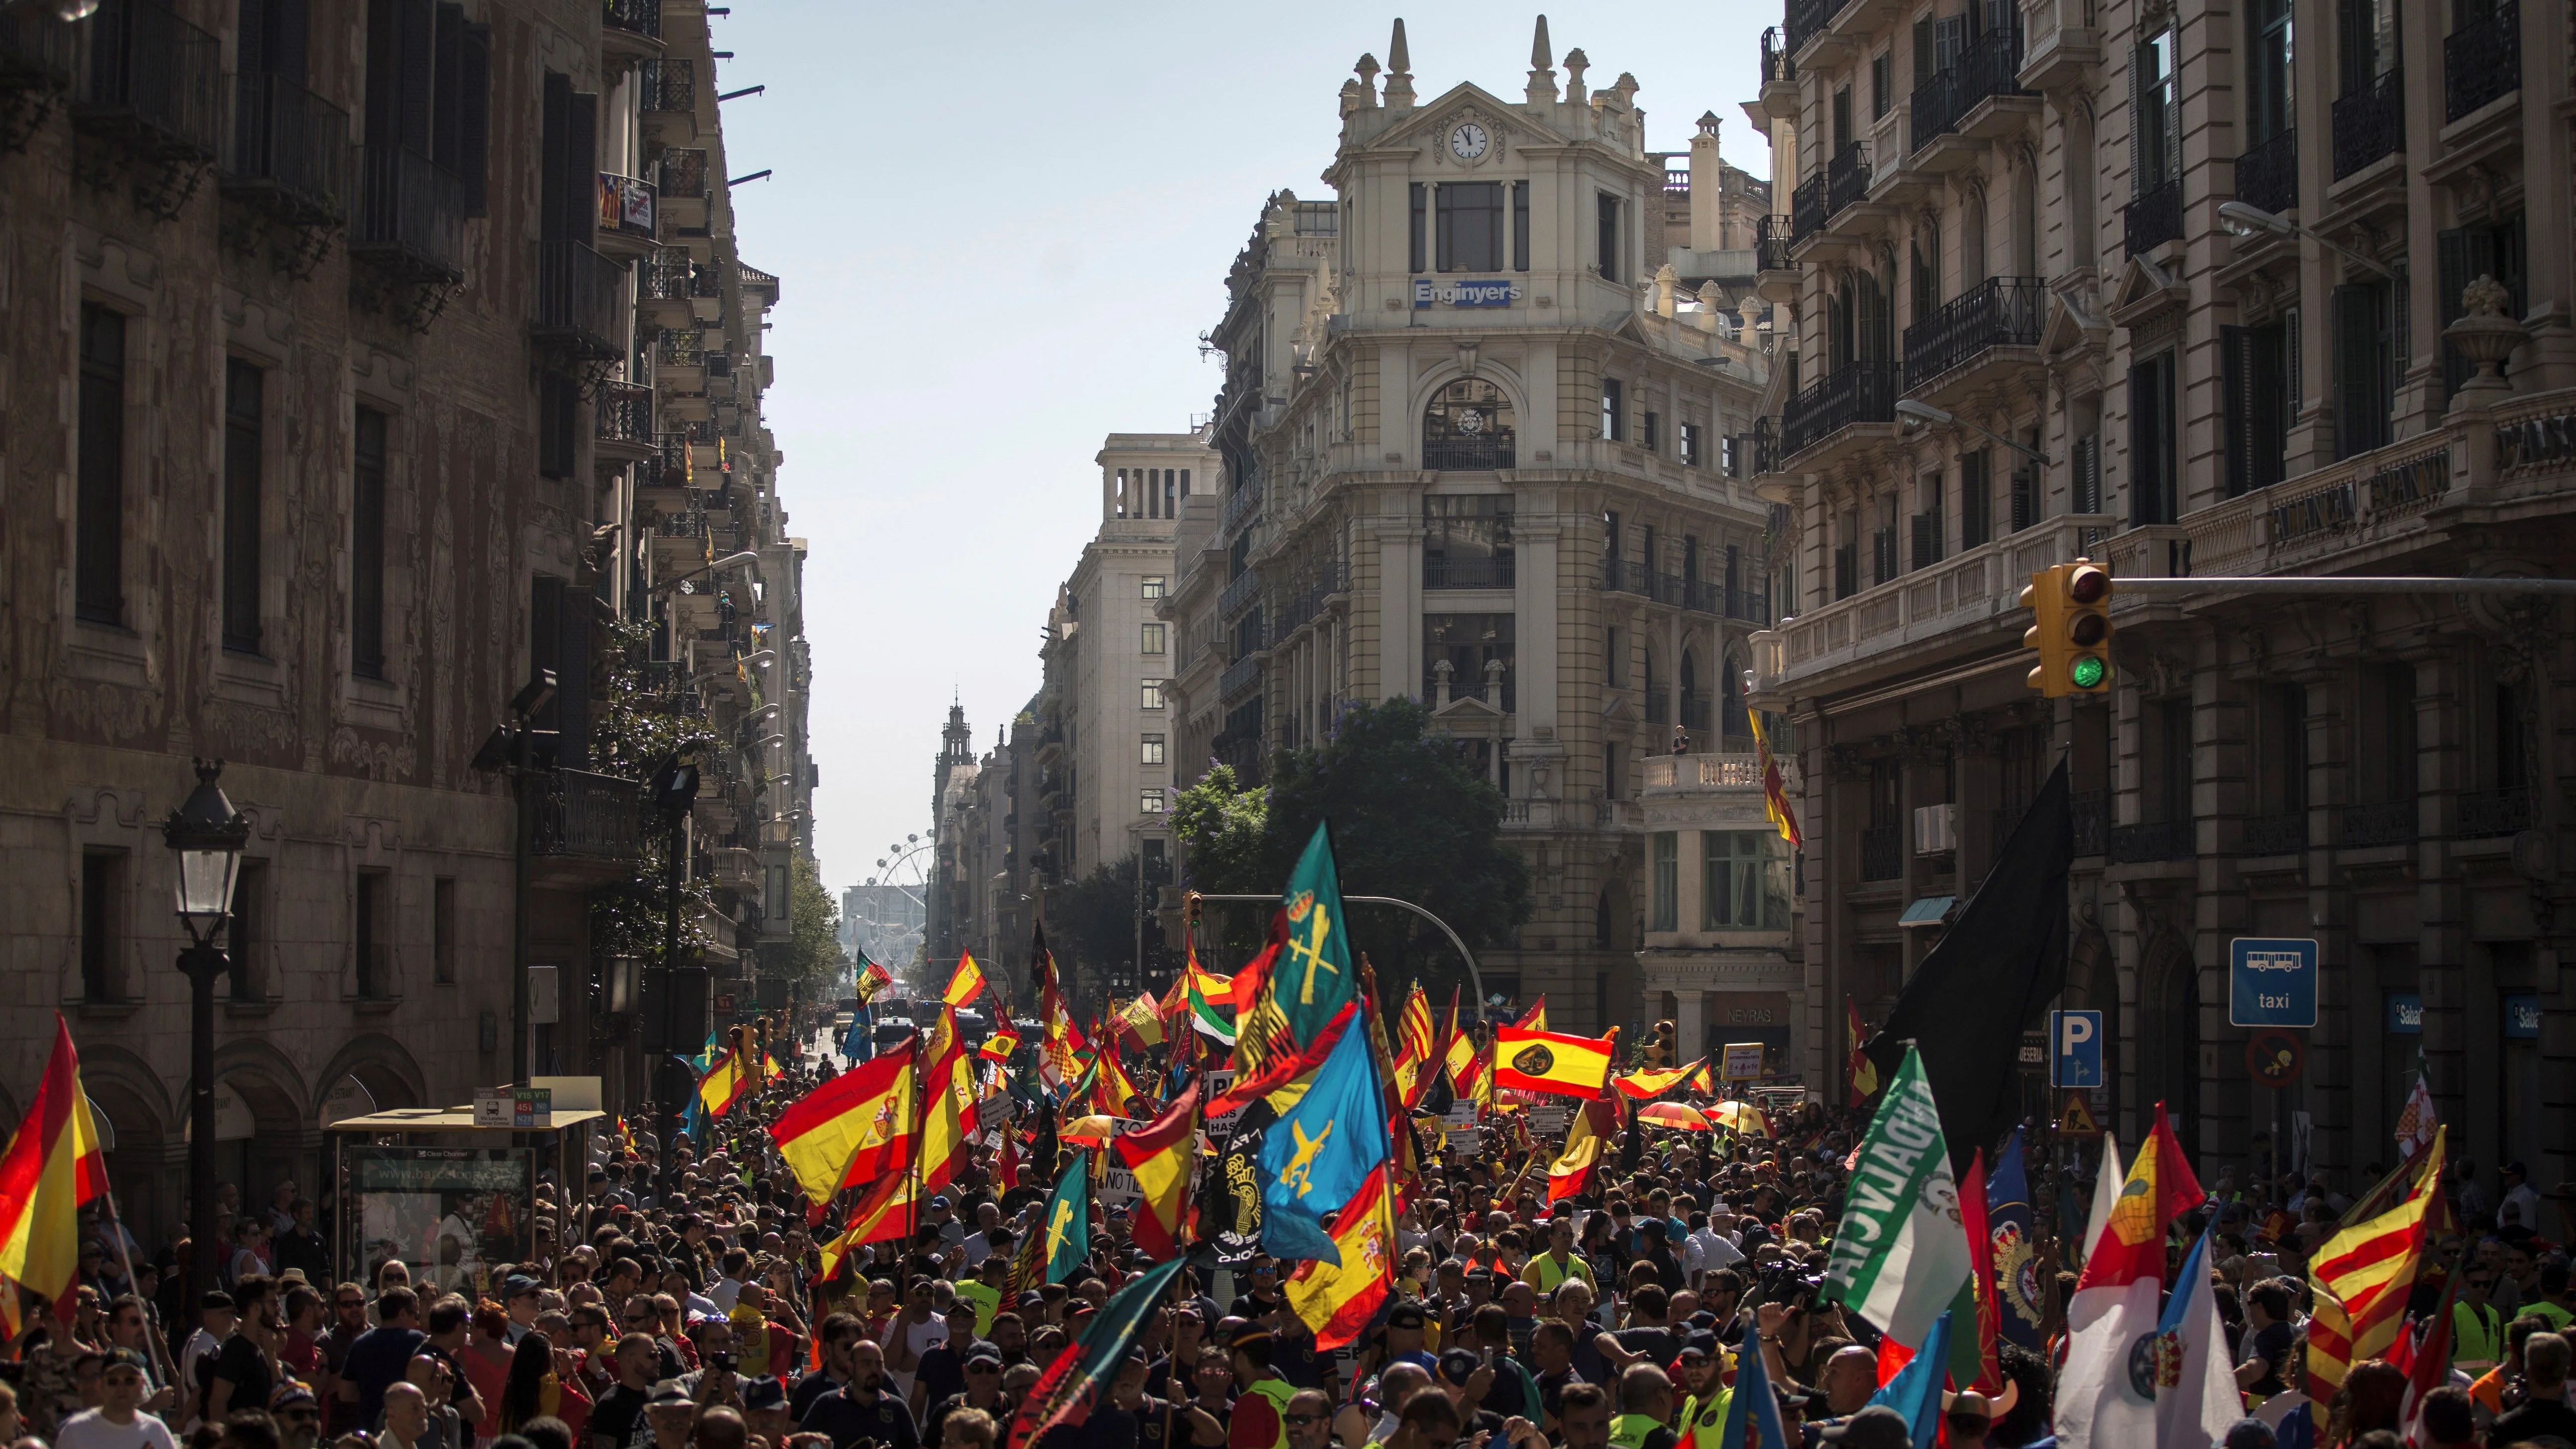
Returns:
(2441, 910)
(1534, 627)
(1690, 1021)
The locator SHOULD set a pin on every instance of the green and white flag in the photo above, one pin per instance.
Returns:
(1901, 1254)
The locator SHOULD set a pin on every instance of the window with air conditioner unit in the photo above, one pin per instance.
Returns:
(1936, 829)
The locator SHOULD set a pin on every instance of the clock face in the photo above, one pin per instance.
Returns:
(1469, 141)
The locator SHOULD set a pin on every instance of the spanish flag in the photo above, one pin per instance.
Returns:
(1337, 1302)
(1543, 1061)
(882, 1215)
(1160, 1154)
(1647, 1085)
(947, 1102)
(965, 983)
(52, 1166)
(1861, 1071)
(1112, 1088)
(727, 1080)
(851, 1130)
(1141, 1021)
(1460, 1062)
(1534, 1019)
(1585, 1136)
(1775, 794)
(999, 1046)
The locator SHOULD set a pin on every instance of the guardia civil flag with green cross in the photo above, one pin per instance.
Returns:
(1068, 1221)
(1901, 1253)
(1313, 979)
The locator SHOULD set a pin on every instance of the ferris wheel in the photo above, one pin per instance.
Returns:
(886, 915)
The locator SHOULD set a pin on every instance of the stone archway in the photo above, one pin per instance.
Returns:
(2169, 1039)
(282, 1143)
(146, 1169)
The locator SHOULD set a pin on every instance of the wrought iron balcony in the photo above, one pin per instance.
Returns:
(1777, 66)
(1629, 576)
(577, 300)
(621, 420)
(290, 151)
(2153, 219)
(2390, 822)
(669, 85)
(2276, 834)
(411, 215)
(684, 173)
(582, 814)
(154, 82)
(2089, 816)
(2488, 813)
(1997, 312)
(666, 275)
(1846, 176)
(1467, 455)
(1241, 505)
(632, 17)
(1806, 19)
(1712, 596)
(1855, 392)
(1241, 593)
(1771, 237)
(1989, 68)
(2369, 123)
(2267, 177)
(1766, 446)
(2153, 841)
(39, 54)
(1239, 677)
(1467, 573)
(1882, 852)
(1807, 208)
(2482, 61)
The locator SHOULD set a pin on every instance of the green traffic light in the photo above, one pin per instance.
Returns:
(2088, 671)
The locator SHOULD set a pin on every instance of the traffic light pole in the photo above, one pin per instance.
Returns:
(1474, 977)
(2279, 584)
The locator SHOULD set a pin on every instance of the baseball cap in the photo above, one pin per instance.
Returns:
(1876, 1427)
(668, 1391)
(1405, 1315)
(517, 1284)
(984, 1352)
(1457, 1365)
(764, 1393)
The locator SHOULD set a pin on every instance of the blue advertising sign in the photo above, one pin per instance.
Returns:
(2405, 1013)
(2271, 982)
(1466, 291)
(2075, 1048)
(2522, 1016)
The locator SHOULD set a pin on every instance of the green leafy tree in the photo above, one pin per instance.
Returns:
(650, 718)
(1224, 827)
(1091, 928)
(813, 953)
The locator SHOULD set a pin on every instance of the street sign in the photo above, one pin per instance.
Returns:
(2075, 1049)
(2077, 1120)
(2275, 1058)
(2271, 981)
(1743, 1061)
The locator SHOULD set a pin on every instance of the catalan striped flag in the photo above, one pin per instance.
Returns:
(2362, 1276)
(52, 1166)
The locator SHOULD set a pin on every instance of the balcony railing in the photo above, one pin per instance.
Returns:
(1467, 573)
(2152, 841)
(2089, 815)
(684, 173)
(634, 17)
(2267, 177)
(669, 85)
(1240, 505)
(38, 52)
(1238, 677)
(1807, 209)
(411, 215)
(1989, 68)
(2276, 834)
(1846, 176)
(1766, 446)
(1776, 64)
(1712, 596)
(582, 814)
(623, 413)
(2482, 61)
(577, 299)
(2389, 822)
(291, 147)
(1240, 593)
(1771, 236)
(1855, 392)
(2369, 123)
(1882, 852)
(1628, 576)
(2153, 219)
(1998, 312)
(2488, 813)
(1467, 455)
(1805, 19)
(627, 207)
(153, 80)
(666, 275)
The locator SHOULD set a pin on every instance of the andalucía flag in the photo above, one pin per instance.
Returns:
(1901, 1256)
(1160, 1154)
(727, 1080)
(965, 983)
(1211, 999)
(1337, 1302)
(1068, 1222)
(1544, 1061)
(53, 1165)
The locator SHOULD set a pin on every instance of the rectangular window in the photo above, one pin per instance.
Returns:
(1614, 410)
(1153, 587)
(1744, 881)
(1608, 216)
(1614, 652)
(1520, 226)
(371, 936)
(1150, 802)
(1149, 694)
(1730, 452)
(2282, 749)
(367, 549)
(2256, 405)
(102, 907)
(2367, 362)
(242, 463)
(442, 930)
(244, 930)
(2155, 135)
(1471, 226)
(1976, 500)
(1654, 439)
(2151, 441)
(1690, 445)
(1149, 750)
(2395, 686)
(1609, 535)
(1467, 541)
(98, 564)
(1152, 642)
(1478, 648)
(2270, 79)
(1665, 912)
(1880, 87)
(1930, 526)
(1418, 255)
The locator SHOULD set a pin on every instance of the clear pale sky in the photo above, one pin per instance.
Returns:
(1000, 229)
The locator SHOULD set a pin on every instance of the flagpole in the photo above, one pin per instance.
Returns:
(125, 1260)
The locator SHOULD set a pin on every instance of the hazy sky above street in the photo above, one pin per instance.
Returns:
(1000, 229)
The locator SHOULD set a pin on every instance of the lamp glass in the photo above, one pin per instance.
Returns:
(204, 889)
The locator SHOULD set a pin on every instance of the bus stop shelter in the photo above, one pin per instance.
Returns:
(454, 1201)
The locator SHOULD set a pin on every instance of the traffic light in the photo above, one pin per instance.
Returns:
(2070, 607)
(738, 1038)
(1659, 1052)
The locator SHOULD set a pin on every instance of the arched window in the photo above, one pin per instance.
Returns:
(1468, 428)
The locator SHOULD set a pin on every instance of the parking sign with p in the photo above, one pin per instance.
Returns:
(2075, 1049)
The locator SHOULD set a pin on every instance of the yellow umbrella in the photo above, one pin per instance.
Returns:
(1741, 1117)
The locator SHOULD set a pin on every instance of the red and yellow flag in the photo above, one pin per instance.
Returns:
(1545, 1061)
(1413, 1042)
(1585, 1136)
(853, 1129)
(873, 978)
(1160, 1154)
(965, 983)
(947, 1102)
(1653, 1082)
(1000, 1045)
(1534, 1019)
(1775, 793)
(1859, 1072)
(2362, 1276)
(1338, 1302)
(1141, 1021)
(881, 1215)
(53, 1165)
(727, 1080)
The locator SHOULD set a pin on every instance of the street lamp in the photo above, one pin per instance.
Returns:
(744, 559)
(207, 834)
(1912, 414)
(2243, 221)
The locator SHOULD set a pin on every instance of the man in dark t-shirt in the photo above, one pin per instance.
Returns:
(382, 1355)
(862, 1409)
(617, 1420)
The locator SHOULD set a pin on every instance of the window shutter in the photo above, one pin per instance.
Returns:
(1417, 257)
(474, 118)
(2356, 362)
(445, 68)
(1950, 38)
(290, 38)
(581, 161)
(554, 166)
(572, 679)
(2142, 444)
(2140, 56)
(2267, 404)
(1927, 543)
(416, 42)
(2024, 499)
(2237, 408)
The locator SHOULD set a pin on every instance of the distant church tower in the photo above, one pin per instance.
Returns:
(956, 747)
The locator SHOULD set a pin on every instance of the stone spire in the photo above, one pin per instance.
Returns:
(1367, 70)
(1542, 76)
(1399, 70)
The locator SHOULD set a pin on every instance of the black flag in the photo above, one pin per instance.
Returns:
(1995, 970)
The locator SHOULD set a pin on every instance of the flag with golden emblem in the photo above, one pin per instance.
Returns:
(1546, 1061)
(851, 1130)
(728, 1079)
(1860, 1073)
(1586, 1134)
(965, 983)
(947, 1102)
(1336, 1301)
(1775, 791)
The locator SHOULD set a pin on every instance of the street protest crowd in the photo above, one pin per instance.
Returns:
(1256, 1214)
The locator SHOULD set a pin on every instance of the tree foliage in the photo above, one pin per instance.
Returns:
(649, 720)
(1091, 927)
(813, 952)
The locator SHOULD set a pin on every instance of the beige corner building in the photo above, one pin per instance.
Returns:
(2165, 288)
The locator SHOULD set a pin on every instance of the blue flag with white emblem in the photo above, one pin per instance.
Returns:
(1315, 1156)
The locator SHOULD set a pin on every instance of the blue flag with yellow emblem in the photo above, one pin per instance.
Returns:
(1319, 1151)
(1068, 1221)
(1313, 979)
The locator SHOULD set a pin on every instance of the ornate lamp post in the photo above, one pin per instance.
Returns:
(207, 835)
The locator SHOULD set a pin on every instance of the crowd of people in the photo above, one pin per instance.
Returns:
(686, 1308)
